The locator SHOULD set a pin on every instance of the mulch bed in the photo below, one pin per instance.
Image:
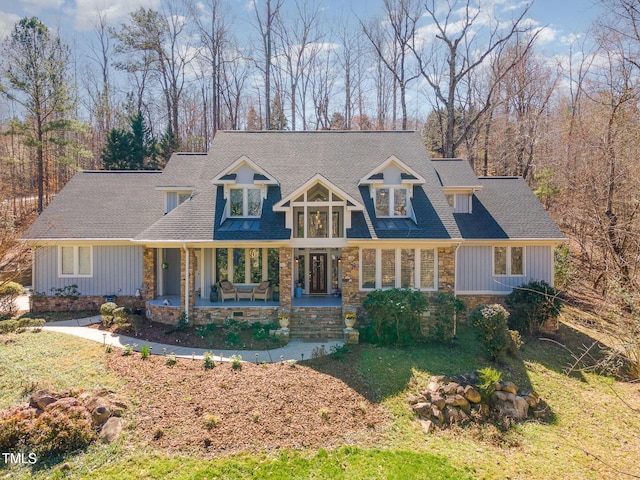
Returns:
(157, 332)
(317, 404)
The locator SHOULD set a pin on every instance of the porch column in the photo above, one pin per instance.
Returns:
(149, 272)
(351, 296)
(191, 281)
(286, 277)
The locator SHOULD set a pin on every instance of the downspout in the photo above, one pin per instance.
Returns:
(455, 287)
(186, 281)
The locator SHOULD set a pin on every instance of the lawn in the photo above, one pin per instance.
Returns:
(593, 432)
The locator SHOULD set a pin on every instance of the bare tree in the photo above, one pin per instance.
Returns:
(391, 40)
(265, 21)
(299, 46)
(461, 45)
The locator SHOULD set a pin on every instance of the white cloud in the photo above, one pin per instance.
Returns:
(546, 35)
(7, 21)
(87, 11)
(30, 5)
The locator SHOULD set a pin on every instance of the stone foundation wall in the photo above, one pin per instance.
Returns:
(170, 315)
(41, 304)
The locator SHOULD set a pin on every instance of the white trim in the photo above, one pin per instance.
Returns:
(392, 200)
(398, 163)
(508, 261)
(245, 200)
(317, 178)
(76, 262)
(244, 160)
(398, 268)
(484, 292)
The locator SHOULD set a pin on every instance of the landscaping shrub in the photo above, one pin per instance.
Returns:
(532, 305)
(395, 316)
(9, 292)
(120, 316)
(106, 310)
(490, 322)
(514, 342)
(445, 307)
(60, 428)
(8, 326)
(488, 378)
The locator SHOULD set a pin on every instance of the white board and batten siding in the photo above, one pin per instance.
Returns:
(474, 270)
(117, 270)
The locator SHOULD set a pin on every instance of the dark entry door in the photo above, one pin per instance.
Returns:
(318, 270)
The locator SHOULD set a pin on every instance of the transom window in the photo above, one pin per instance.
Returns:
(75, 261)
(508, 261)
(245, 202)
(392, 202)
(398, 268)
(318, 213)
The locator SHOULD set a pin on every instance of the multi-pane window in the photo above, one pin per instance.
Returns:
(398, 268)
(247, 265)
(407, 268)
(392, 202)
(318, 213)
(75, 261)
(508, 260)
(368, 263)
(245, 202)
(388, 268)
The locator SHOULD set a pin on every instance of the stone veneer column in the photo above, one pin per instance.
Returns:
(286, 277)
(191, 280)
(351, 296)
(446, 269)
(149, 272)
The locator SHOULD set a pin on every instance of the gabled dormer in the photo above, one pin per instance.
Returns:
(245, 187)
(318, 209)
(391, 188)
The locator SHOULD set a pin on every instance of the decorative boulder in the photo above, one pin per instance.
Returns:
(41, 399)
(471, 394)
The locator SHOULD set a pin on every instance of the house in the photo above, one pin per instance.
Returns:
(325, 216)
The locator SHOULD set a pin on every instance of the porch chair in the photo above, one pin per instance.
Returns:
(227, 290)
(262, 291)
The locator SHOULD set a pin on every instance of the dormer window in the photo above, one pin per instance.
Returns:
(175, 198)
(245, 202)
(392, 202)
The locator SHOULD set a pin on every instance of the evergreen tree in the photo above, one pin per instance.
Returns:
(278, 118)
(36, 78)
(132, 149)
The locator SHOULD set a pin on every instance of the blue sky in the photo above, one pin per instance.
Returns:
(73, 17)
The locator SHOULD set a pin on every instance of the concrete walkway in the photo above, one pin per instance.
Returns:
(294, 350)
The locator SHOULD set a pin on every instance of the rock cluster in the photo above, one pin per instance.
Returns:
(456, 400)
(104, 407)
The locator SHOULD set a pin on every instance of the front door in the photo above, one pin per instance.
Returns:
(318, 271)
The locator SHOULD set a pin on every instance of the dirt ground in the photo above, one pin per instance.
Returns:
(187, 408)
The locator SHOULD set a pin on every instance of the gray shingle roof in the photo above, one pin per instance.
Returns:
(130, 205)
(506, 208)
(101, 205)
(455, 172)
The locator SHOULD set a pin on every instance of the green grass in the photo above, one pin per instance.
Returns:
(342, 463)
(592, 433)
(32, 361)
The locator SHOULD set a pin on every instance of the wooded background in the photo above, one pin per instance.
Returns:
(474, 84)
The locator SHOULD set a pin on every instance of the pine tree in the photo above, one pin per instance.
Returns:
(278, 118)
